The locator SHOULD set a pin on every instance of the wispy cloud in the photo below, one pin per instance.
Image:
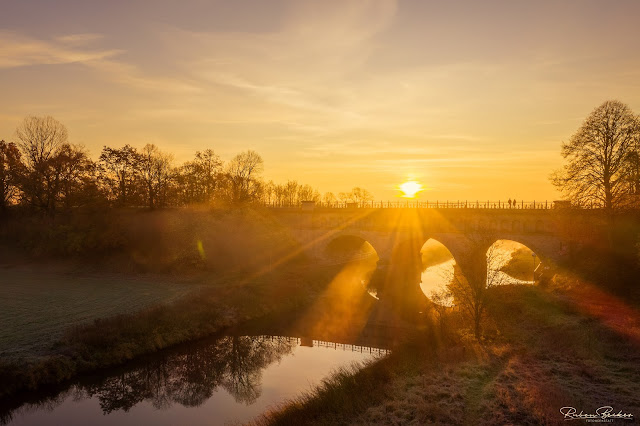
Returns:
(17, 50)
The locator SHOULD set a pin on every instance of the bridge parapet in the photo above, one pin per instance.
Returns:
(543, 221)
(549, 233)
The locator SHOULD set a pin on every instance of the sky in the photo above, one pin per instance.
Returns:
(471, 99)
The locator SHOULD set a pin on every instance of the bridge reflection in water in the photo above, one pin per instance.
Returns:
(343, 346)
(229, 379)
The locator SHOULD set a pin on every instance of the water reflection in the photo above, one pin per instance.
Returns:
(204, 375)
(435, 279)
(233, 363)
(508, 265)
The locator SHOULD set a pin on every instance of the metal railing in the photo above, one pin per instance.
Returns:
(350, 347)
(411, 204)
(335, 345)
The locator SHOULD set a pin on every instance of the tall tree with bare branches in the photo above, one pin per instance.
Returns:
(41, 139)
(598, 156)
(156, 172)
(243, 177)
(119, 170)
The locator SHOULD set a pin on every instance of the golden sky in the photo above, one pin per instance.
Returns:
(470, 98)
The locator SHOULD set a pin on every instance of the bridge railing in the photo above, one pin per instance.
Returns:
(351, 348)
(333, 345)
(415, 204)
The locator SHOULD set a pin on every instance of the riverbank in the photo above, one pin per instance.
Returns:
(113, 341)
(566, 344)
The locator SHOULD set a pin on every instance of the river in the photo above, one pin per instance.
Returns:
(230, 379)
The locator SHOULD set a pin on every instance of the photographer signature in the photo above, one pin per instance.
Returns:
(606, 412)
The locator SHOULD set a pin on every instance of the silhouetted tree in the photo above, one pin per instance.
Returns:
(470, 291)
(632, 170)
(357, 195)
(75, 172)
(307, 193)
(40, 141)
(198, 179)
(156, 174)
(11, 168)
(119, 170)
(269, 192)
(290, 192)
(361, 195)
(243, 178)
(598, 157)
(329, 198)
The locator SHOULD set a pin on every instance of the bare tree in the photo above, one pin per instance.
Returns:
(156, 173)
(74, 172)
(199, 178)
(10, 171)
(243, 173)
(632, 172)
(290, 192)
(361, 195)
(441, 303)
(119, 169)
(470, 291)
(598, 157)
(40, 140)
(357, 195)
(329, 198)
(307, 193)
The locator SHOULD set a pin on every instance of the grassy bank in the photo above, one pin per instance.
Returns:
(115, 340)
(544, 348)
(40, 302)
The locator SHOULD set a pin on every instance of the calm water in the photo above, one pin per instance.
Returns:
(229, 380)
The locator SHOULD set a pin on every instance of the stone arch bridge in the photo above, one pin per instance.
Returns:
(467, 233)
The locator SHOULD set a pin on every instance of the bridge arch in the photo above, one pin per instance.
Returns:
(438, 267)
(358, 259)
(348, 246)
(510, 262)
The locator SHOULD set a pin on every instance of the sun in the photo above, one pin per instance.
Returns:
(410, 189)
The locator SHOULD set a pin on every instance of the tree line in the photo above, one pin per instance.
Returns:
(44, 172)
